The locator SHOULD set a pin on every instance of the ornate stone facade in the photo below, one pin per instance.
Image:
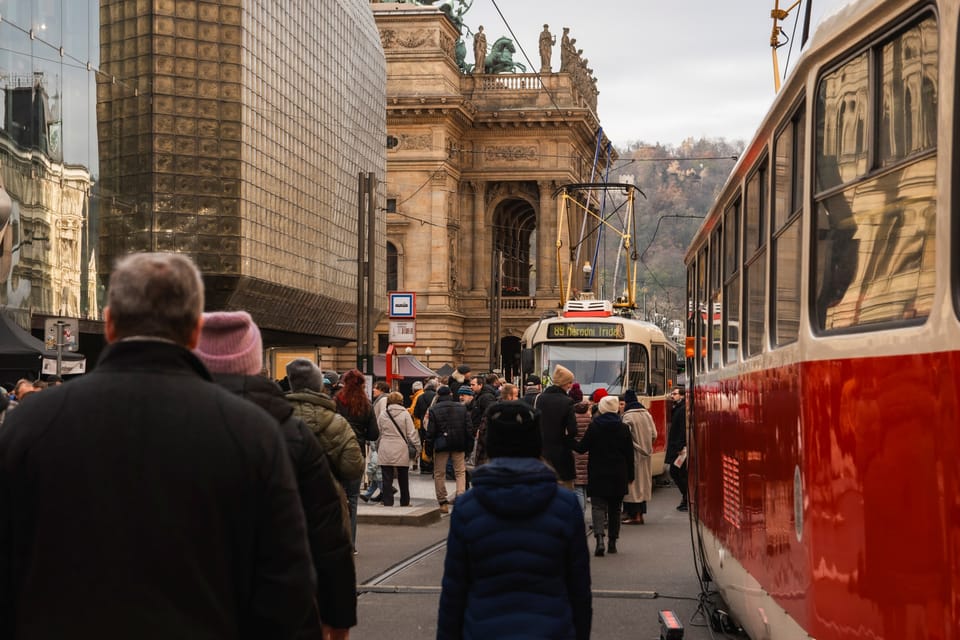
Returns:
(474, 219)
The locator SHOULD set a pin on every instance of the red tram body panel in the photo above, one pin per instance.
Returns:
(824, 388)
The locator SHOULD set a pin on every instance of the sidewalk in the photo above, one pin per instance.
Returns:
(423, 509)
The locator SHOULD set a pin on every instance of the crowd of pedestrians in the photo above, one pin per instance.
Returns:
(202, 499)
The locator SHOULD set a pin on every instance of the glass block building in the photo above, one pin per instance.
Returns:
(233, 131)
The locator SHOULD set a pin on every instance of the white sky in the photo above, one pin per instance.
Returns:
(666, 69)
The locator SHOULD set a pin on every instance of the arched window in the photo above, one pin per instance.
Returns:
(392, 267)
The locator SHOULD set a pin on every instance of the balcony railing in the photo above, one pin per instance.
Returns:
(519, 303)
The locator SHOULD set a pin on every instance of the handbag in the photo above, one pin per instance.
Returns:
(411, 448)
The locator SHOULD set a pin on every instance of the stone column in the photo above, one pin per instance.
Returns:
(547, 240)
(476, 233)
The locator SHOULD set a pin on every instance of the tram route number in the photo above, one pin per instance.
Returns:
(586, 330)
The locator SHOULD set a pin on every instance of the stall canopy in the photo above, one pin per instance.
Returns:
(23, 356)
(409, 367)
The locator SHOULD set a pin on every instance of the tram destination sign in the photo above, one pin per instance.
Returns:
(585, 331)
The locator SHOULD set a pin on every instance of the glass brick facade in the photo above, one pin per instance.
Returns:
(232, 131)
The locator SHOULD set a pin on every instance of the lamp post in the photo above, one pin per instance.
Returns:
(408, 350)
(427, 354)
(587, 271)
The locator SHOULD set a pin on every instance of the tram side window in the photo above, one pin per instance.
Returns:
(875, 233)
(731, 286)
(702, 309)
(658, 375)
(785, 247)
(715, 303)
(637, 369)
(755, 265)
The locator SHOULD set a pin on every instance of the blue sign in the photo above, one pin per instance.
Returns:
(403, 305)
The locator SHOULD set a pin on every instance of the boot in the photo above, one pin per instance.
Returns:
(598, 552)
(612, 547)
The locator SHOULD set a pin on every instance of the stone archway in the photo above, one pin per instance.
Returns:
(515, 235)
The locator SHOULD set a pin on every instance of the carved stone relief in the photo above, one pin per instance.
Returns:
(512, 153)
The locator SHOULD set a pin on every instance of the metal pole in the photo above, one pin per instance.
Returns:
(60, 324)
(371, 268)
(361, 247)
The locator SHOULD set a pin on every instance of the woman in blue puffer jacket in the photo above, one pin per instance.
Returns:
(517, 563)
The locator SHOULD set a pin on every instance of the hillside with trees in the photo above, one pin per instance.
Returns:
(680, 184)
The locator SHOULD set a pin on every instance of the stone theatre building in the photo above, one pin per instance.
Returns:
(470, 194)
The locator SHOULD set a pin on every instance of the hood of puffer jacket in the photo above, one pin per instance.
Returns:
(581, 407)
(514, 487)
(313, 397)
(263, 392)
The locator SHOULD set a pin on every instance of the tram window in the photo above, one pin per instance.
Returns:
(754, 299)
(786, 279)
(731, 239)
(788, 171)
(716, 307)
(702, 309)
(874, 251)
(659, 372)
(842, 106)
(753, 234)
(731, 287)
(731, 323)
(908, 77)
(785, 247)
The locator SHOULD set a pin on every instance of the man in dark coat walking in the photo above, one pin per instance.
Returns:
(677, 445)
(144, 501)
(558, 425)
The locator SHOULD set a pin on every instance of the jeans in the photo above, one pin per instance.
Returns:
(352, 489)
(403, 479)
(581, 491)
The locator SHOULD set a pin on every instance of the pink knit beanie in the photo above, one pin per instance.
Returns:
(230, 343)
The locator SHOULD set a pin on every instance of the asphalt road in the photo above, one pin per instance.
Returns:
(399, 569)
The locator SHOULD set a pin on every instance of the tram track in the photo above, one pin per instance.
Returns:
(376, 584)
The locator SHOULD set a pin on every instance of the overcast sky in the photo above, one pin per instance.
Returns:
(666, 69)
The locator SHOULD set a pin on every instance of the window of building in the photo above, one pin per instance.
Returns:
(393, 264)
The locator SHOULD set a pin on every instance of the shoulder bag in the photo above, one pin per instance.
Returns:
(411, 448)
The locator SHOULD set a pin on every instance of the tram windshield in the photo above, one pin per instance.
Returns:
(595, 366)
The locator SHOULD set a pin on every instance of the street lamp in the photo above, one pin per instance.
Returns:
(408, 350)
(427, 354)
(587, 270)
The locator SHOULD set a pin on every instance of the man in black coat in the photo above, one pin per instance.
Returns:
(677, 444)
(144, 501)
(558, 425)
(448, 437)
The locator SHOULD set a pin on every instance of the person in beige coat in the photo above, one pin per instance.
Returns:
(643, 431)
(396, 430)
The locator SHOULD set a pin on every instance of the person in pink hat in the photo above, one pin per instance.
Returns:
(231, 347)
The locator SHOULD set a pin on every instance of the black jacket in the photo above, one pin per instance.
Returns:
(144, 501)
(448, 418)
(484, 400)
(610, 445)
(677, 436)
(423, 403)
(324, 505)
(364, 425)
(558, 429)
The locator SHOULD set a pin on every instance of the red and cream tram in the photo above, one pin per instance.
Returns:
(823, 417)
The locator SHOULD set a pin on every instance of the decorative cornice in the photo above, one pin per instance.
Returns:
(512, 153)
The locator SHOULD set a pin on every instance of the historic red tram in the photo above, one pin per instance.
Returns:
(823, 396)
